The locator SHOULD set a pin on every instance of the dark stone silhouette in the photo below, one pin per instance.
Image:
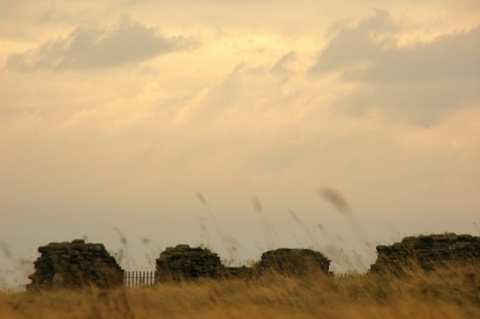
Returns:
(294, 261)
(183, 262)
(243, 272)
(75, 264)
(428, 253)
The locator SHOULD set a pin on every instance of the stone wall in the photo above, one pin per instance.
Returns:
(428, 252)
(183, 262)
(243, 272)
(294, 261)
(75, 264)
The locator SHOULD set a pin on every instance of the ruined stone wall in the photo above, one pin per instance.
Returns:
(75, 264)
(243, 272)
(183, 262)
(294, 261)
(428, 252)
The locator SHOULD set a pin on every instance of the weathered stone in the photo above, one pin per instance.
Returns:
(237, 272)
(183, 263)
(71, 264)
(294, 261)
(428, 253)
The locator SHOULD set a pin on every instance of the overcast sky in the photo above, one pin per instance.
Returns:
(246, 124)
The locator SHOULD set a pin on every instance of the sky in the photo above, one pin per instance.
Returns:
(240, 125)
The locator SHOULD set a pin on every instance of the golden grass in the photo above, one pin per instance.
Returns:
(452, 293)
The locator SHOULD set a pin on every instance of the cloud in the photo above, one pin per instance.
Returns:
(372, 45)
(127, 42)
(447, 57)
(420, 82)
(281, 66)
(352, 46)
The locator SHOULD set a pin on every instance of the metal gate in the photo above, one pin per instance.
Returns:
(137, 279)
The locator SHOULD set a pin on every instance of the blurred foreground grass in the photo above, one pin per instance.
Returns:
(451, 293)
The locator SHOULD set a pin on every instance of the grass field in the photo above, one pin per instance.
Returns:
(452, 293)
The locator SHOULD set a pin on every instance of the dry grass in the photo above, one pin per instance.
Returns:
(453, 293)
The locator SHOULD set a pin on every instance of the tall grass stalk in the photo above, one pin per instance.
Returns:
(447, 293)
